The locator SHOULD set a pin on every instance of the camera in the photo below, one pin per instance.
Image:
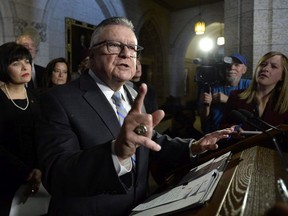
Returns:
(210, 74)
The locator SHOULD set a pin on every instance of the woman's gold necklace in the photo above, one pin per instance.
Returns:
(9, 97)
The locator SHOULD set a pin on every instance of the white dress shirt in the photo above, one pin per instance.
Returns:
(126, 166)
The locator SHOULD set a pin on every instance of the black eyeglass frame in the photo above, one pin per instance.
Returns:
(121, 46)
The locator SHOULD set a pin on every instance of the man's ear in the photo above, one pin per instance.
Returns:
(245, 69)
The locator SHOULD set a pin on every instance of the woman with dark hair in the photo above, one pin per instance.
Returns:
(56, 73)
(19, 112)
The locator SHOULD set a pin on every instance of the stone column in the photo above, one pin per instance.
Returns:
(255, 27)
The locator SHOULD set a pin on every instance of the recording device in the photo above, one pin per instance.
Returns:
(261, 123)
(210, 73)
(197, 61)
(228, 60)
(239, 118)
(207, 75)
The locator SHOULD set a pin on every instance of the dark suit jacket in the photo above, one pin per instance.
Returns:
(39, 70)
(74, 149)
(150, 100)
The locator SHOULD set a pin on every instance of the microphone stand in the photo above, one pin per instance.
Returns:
(250, 115)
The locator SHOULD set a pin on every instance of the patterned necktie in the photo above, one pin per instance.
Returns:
(121, 112)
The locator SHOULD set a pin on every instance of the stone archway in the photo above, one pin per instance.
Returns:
(152, 58)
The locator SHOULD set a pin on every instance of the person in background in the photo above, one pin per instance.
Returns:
(56, 73)
(212, 103)
(31, 40)
(94, 141)
(267, 96)
(150, 100)
(83, 65)
(19, 112)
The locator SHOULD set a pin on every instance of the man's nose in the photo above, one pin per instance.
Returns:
(125, 51)
(233, 66)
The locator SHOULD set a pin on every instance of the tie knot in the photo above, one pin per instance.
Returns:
(117, 96)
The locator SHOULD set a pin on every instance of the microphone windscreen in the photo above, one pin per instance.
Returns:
(236, 117)
(246, 113)
(258, 121)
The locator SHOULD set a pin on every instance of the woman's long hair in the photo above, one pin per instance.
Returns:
(279, 94)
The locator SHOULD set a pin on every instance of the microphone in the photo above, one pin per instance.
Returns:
(250, 115)
(238, 117)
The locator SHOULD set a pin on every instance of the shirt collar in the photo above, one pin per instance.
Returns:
(107, 91)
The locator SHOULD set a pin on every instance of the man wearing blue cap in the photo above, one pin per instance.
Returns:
(212, 103)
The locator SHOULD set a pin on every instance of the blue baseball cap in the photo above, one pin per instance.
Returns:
(240, 58)
(235, 57)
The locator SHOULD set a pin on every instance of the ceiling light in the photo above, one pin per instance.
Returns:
(220, 41)
(206, 44)
(199, 27)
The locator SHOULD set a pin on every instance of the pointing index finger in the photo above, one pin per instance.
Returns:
(139, 100)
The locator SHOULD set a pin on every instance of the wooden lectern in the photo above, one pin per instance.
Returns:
(249, 183)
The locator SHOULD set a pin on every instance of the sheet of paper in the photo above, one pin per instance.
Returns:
(196, 187)
(191, 188)
(180, 204)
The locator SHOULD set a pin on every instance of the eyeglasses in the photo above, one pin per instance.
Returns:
(115, 47)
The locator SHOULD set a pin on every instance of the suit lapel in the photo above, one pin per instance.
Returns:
(132, 94)
(99, 103)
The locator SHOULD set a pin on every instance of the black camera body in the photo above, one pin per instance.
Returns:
(211, 74)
